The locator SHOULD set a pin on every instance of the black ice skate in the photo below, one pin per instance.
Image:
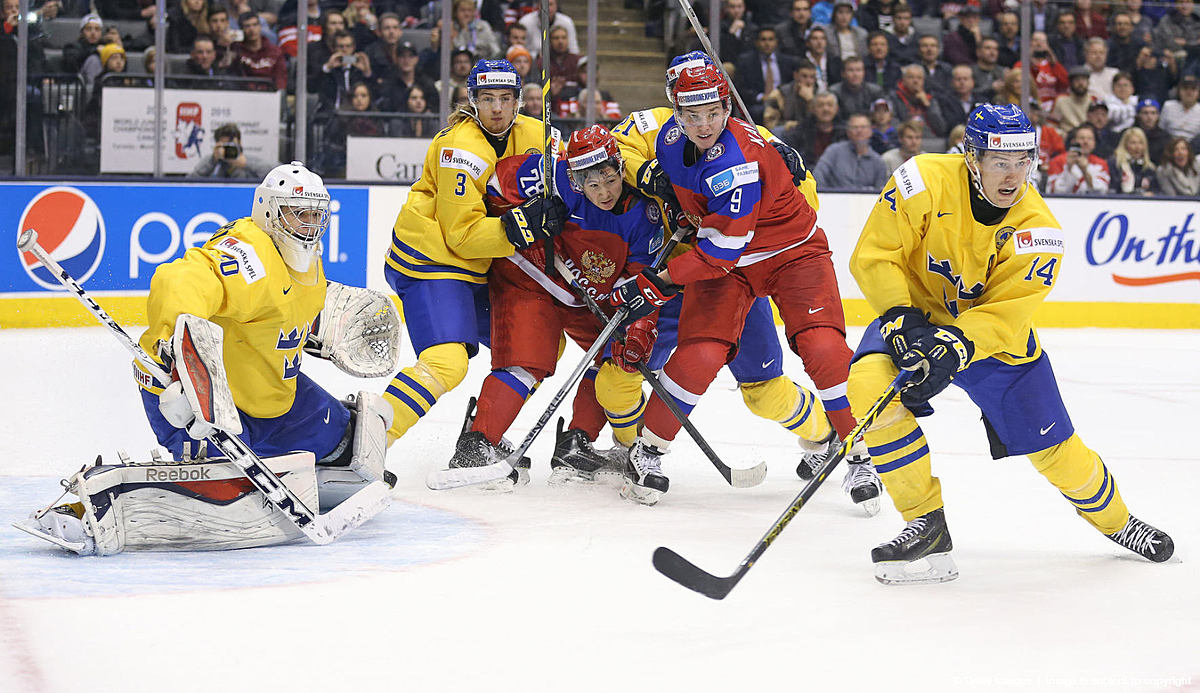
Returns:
(576, 460)
(520, 473)
(644, 480)
(919, 554)
(474, 450)
(1148, 542)
(815, 453)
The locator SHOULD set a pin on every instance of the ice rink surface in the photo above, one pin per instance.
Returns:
(551, 589)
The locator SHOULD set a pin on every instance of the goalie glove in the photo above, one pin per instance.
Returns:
(358, 330)
(935, 358)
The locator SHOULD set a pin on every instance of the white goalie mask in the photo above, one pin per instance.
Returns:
(292, 206)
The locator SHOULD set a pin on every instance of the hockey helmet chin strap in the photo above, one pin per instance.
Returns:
(973, 155)
(474, 113)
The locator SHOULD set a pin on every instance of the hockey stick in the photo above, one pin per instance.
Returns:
(691, 15)
(547, 138)
(694, 578)
(738, 478)
(321, 529)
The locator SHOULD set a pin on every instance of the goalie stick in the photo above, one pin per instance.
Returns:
(697, 579)
(321, 529)
(737, 478)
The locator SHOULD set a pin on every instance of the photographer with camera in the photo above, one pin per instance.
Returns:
(1078, 171)
(229, 160)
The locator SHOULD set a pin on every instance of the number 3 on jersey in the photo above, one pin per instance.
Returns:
(460, 183)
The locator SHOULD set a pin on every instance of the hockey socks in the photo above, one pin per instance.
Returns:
(414, 390)
(1084, 480)
(686, 376)
(795, 408)
(503, 394)
(587, 415)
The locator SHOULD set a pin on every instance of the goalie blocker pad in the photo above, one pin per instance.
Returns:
(197, 346)
(358, 330)
(202, 505)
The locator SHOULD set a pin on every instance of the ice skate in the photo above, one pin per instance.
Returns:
(575, 459)
(644, 481)
(861, 481)
(474, 450)
(815, 453)
(1148, 542)
(919, 554)
(60, 526)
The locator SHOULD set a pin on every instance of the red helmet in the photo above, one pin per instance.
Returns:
(700, 85)
(590, 147)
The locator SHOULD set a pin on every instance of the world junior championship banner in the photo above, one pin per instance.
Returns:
(111, 237)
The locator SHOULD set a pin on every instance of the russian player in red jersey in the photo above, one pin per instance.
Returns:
(757, 236)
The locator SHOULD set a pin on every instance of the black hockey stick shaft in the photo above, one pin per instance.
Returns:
(547, 130)
(689, 575)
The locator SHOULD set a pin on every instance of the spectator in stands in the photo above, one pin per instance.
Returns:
(460, 98)
(1178, 174)
(564, 67)
(821, 130)
(1143, 25)
(256, 57)
(521, 60)
(1046, 72)
(1123, 46)
(1147, 119)
(959, 46)
(534, 29)
(902, 37)
(606, 110)
(418, 105)
(112, 60)
(394, 93)
(1100, 75)
(1123, 104)
(361, 22)
(845, 39)
(531, 100)
(1008, 38)
(937, 71)
(954, 143)
(911, 134)
(223, 36)
(1044, 15)
(1010, 91)
(290, 27)
(789, 105)
(829, 67)
(852, 164)
(229, 159)
(879, 67)
(473, 33)
(203, 59)
(760, 71)
(123, 9)
(319, 51)
(1131, 169)
(90, 29)
(855, 95)
(877, 15)
(461, 61)
(793, 30)
(516, 35)
(883, 126)
(345, 68)
(1181, 116)
(185, 22)
(737, 31)
(987, 72)
(1179, 31)
(384, 54)
(1065, 42)
(1050, 142)
(1106, 137)
(1154, 74)
(910, 100)
(958, 103)
(1070, 109)
(1078, 171)
(1091, 23)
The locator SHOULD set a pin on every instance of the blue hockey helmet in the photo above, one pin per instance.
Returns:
(999, 128)
(493, 74)
(682, 62)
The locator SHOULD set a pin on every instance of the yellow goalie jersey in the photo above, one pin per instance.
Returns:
(922, 247)
(239, 281)
(443, 231)
(637, 133)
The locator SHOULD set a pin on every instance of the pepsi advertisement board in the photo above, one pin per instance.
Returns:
(112, 237)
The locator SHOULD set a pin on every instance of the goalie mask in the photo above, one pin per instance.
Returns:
(292, 206)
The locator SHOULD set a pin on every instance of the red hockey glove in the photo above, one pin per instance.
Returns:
(642, 295)
(639, 342)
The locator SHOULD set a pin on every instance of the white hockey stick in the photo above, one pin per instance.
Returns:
(321, 529)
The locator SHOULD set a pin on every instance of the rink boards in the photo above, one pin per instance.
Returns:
(1128, 263)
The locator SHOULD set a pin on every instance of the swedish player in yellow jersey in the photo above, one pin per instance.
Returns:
(444, 240)
(956, 256)
(758, 365)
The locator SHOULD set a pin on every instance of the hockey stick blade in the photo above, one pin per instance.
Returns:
(457, 477)
(366, 503)
(748, 478)
(686, 573)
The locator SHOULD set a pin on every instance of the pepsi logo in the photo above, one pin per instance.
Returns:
(70, 229)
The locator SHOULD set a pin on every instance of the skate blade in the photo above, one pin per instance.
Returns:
(932, 569)
(32, 528)
(639, 494)
(566, 476)
(869, 506)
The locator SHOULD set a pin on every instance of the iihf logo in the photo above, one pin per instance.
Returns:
(70, 228)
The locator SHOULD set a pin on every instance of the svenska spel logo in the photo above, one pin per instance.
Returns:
(70, 228)
(1024, 239)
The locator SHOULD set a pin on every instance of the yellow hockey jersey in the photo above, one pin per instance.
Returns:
(443, 231)
(922, 247)
(637, 133)
(239, 281)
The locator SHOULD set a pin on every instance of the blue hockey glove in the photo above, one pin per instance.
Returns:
(935, 358)
(901, 327)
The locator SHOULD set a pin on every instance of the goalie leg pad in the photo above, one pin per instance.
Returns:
(372, 419)
(187, 506)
